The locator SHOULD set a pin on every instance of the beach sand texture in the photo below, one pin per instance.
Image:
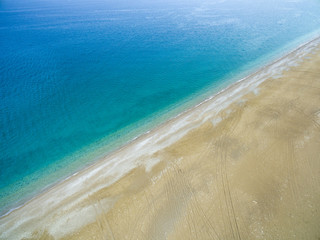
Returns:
(244, 164)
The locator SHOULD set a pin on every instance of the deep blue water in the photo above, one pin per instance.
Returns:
(77, 75)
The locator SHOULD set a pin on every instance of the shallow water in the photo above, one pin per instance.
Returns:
(78, 75)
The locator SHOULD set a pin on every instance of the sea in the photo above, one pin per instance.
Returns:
(81, 78)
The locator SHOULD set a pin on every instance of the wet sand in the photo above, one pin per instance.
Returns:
(244, 164)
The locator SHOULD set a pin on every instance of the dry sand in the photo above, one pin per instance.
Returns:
(244, 164)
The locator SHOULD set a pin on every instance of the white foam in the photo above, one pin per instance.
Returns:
(44, 210)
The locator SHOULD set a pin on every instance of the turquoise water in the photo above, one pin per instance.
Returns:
(80, 78)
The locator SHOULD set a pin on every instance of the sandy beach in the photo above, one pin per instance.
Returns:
(243, 164)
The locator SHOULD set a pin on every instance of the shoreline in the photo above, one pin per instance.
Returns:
(102, 157)
(179, 125)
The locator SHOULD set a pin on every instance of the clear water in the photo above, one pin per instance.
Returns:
(79, 78)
